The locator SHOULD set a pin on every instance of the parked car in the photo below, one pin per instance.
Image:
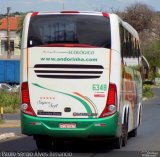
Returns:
(6, 87)
(16, 88)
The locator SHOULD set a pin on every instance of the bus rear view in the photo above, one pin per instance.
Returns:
(65, 77)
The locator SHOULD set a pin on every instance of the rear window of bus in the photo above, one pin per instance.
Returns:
(76, 29)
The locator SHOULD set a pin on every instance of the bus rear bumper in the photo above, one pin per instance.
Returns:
(85, 128)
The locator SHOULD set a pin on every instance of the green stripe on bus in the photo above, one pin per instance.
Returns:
(87, 107)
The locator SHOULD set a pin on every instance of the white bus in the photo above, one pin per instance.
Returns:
(80, 77)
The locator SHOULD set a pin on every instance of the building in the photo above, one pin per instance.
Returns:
(14, 38)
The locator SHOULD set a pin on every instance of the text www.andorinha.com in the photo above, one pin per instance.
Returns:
(66, 59)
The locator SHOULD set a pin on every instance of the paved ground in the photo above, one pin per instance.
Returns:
(11, 126)
(15, 116)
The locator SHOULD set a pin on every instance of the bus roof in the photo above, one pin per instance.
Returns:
(130, 29)
(71, 12)
(127, 26)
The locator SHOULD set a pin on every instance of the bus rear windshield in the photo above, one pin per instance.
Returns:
(75, 29)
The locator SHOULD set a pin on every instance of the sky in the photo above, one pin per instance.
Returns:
(81, 5)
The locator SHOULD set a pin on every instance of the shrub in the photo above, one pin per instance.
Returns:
(147, 92)
(9, 101)
(148, 82)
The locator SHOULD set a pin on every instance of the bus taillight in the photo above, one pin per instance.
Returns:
(25, 104)
(111, 105)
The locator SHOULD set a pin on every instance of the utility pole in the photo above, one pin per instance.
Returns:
(8, 34)
(62, 4)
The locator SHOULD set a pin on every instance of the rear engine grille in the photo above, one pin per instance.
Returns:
(68, 71)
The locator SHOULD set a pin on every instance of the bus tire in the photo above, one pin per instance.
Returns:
(124, 134)
(140, 116)
(43, 143)
(125, 130)
(133, 133)
(117, 143)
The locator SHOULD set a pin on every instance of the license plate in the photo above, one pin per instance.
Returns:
(67, 125)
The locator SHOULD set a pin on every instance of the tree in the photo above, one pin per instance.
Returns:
(20, 25)
(152, 53)
(139, 15)
(156, 26)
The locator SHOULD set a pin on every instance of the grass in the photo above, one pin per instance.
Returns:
(9, 101)
(9, 109)
(1, 121)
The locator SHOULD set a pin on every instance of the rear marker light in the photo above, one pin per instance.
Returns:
(101, 124)
(111, 105)
(35, 123)
(105, 14)
(25, 104)
(34, 13)
(70, 12)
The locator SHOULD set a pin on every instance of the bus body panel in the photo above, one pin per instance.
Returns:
(64, 79)
(129, 82)
(100, 127)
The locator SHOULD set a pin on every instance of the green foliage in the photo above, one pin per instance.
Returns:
(147, 91)
(148, 82)
(20, 25)
(152, 53)
(2, 98)
(151, 74)
(10, 101)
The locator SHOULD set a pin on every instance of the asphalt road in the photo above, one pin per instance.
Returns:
(12, 116)
(147, 141)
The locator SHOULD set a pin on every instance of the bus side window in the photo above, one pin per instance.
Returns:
(122, 40)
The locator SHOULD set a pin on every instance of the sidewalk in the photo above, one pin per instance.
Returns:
(11, 126)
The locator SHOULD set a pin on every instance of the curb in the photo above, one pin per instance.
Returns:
(7, 135)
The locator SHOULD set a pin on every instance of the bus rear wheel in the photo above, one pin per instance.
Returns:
(117, 143)
(124, 133)
(133, 133)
